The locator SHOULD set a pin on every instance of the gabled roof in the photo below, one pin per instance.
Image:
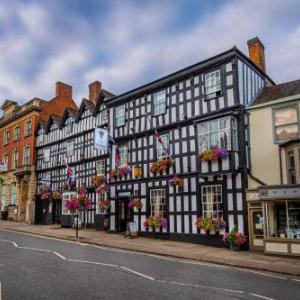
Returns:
(53, 118)
(105, 95)
(279, 91)
(85, 103)
(41, 123)
(68, 112)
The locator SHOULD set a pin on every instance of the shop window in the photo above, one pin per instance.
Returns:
(211, 200)
(157, 202)
(218, 133)
(283, 219)
(159, 103)
(286, 125)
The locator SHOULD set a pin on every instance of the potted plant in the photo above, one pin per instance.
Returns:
(234, 239)
(154, 222)
(204, 224)
(56, 196)
(221, 225)
(213, 154)
(176, 181)
(213, 226)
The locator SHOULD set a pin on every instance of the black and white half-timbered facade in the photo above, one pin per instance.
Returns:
(194, 110)
(69, 140)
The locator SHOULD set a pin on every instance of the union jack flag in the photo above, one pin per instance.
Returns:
(70, 174)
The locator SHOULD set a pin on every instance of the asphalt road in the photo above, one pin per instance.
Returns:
(39, 268)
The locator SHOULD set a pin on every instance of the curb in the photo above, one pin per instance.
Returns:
(201, 259)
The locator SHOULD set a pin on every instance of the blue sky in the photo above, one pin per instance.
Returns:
(124, 43)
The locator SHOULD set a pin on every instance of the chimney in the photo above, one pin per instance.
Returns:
(63, 90)
(257, 53)
(94, 91)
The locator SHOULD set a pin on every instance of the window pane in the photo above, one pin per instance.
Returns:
(286, 116)
(286, 132)
(211, 200)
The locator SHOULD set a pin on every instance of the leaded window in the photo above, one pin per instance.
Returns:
(70, 148)
(286, 125)
(211, 196)
(100, 167)
(213, 82)
(157, 202)
(159, 103)
(218, 133)
(120, 115)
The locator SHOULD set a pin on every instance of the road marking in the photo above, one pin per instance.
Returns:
(59, 255)
(93, 263)
(137, 273)
(260, 296)
(294, 279)
(266, 274)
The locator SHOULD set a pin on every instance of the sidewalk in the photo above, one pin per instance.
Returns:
(243, 259)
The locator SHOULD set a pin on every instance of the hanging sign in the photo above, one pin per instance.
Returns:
(101, 139)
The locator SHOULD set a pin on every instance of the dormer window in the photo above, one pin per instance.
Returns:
(28, 128)
(17, 133)
(213, 84)
(120, 115)
(159, 103)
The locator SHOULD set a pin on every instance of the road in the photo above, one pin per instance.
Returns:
(39, 268)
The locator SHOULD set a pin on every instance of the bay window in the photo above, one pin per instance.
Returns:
(157, 202)
(211, 196)
(220, 132)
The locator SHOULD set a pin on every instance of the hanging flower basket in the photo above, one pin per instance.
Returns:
(73, 204)
(214, 154)
(102, 188)
(176, 181)
(84, 202)
(56, 196)
(98, 180)
(103, 205)
(120, 172)
(161, 165)
(45, 196)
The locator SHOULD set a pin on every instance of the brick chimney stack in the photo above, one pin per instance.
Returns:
(257, 53)
(94, 91)
(63, 90)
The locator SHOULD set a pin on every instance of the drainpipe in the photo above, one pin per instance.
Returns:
(280, 165)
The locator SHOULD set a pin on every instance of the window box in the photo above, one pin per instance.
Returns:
(161, 165)
(214, 154)
(176, 181)
(119, 172)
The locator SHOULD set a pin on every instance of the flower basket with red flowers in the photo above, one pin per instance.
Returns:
(176, 181)
(73, 205)
(161, 165)
(234, 238)
(104, 205)
(98, 180)
(45, 192)
(119, 172)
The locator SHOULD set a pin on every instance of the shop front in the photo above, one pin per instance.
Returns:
(280, 208)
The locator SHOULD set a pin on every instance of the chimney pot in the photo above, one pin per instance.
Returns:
(63, 90)
(257, 53)
(94, 91)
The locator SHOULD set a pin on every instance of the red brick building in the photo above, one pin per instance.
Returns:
(17, 149)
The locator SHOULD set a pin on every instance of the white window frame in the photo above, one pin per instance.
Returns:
(120, 115)
(28, 129)
(159, 103)
(6, 137)
(101, 167)
(211, 195)
(159, 148)
(157, 202)
(221, 136)
(70, 148)
(17, 133)
(123, 151)
(212, 82)
(15, 159)
(26, 155)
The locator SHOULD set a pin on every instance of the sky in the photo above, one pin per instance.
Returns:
(125, 44)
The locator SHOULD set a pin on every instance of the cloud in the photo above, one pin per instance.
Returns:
(128, 43)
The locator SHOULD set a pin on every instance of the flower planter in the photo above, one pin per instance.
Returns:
(221, 231)
(202, 231)
(234, 247)
(212, 232)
